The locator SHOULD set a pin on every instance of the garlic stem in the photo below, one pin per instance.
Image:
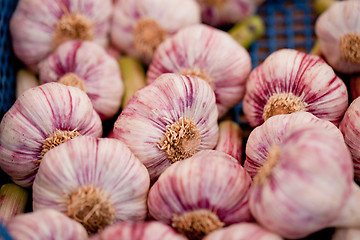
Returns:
(247, 31)
(265, 171)
(147, 36)
(91, 207)
(320, 6)
(72, 27)
(350, 47)
(25, 79)
(199, 73)
(71, 79)
(133, 76)
(13, 200)
(196, 224)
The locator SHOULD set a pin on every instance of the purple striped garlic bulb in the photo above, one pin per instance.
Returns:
(37, 27)
(273, 131)
(201, 194)
(42, 118)
(168, 121)
(138, 231)
(338, 31)
(139, 26)
(349, 127)
(195, 50)
(95, 181)
(306, 185)
(346, 234)
(290, 81)
(230, 139)
(226, 12)
(45, 224)
(87, 66)
(243, 231)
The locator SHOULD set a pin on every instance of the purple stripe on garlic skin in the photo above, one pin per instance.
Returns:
(35, 116)
(105, 165)
(224, 12)
(144, 122)
(350, 128)
(289, 81)
(45, 224)
(33, 26)
(273, 131)
(196, 50)
(138, 231)
(243, 231)
(338, 31)
(98, 73)
(169, 16)
(306, 185)
(210, 181)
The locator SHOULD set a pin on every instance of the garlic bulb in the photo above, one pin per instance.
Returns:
(37, 27)
(201, 194)
(349, 127)
(94, 181)
(338, 31)
(168, 121)
(225, 12)
(13, 200)
(306, 185)
(139, 26)
(354, 85)
(138, 231)
(40, 119)
(87, 66)
(273, 132)
(25, 79)
(45, 224)
(346, 234)
(230, 139)
(243, 231)
(289, 81)
(195, 50)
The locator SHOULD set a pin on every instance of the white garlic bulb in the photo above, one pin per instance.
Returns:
(38, 26)
(168, 121)
(86, 65)
(138, 231)
(45, 224)
(95, 181)
(338, 31)
(306, 185)
(201, 194)
(210, 54)
(273, 131)
(40, 119)
(224, 12)
(139, 26)
(289, 81)
(243, 231)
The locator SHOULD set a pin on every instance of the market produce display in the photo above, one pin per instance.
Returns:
(181, 119)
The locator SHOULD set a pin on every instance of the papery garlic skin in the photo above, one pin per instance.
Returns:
(35, 116)
(230, 139)
(138, 231)
(273, 131)
(98, 72)
(104, 164)
(166, 18)
(346, 234)
(243, 231)
(45, 224)
(33, 26)
(349, 127)
(208, 53)
(307, 186)
(209, 181)
(152, 112)
(223, 12)
(331, 28)
(289, 81)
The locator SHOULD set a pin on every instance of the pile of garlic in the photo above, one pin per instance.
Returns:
(175, 164)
